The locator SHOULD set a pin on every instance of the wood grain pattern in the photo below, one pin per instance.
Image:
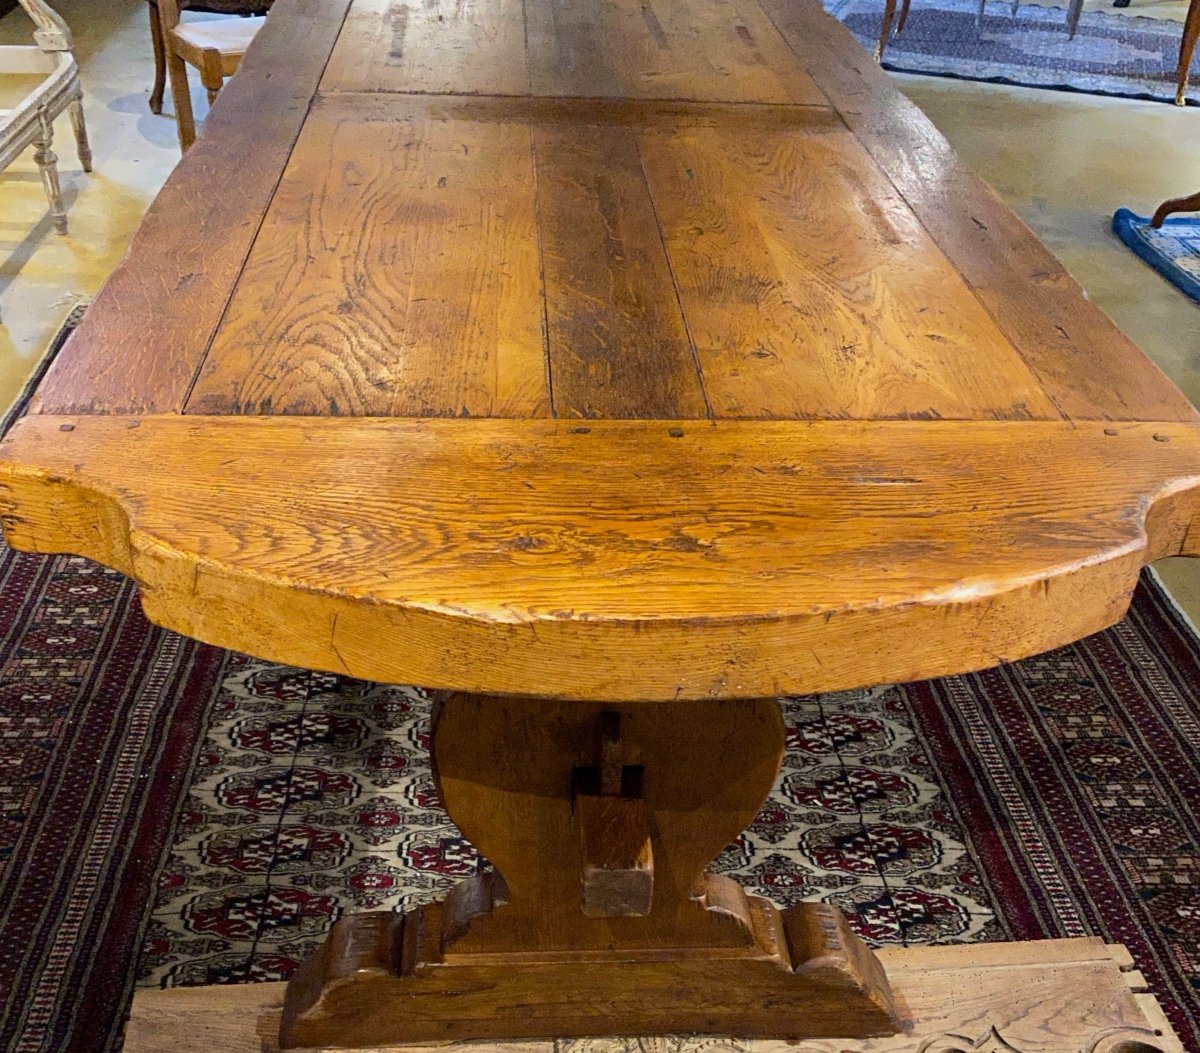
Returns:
(1049, 996)
(614, 560)
(812, 291)
(514, 946)
(476, 47)
(895, 323)
(700, 50)
(618, 343)
(1085, 363)
(396, 275)
(403, 271)
(138, 347)
(714, 50)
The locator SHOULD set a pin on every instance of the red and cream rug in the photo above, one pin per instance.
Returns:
(218, 812)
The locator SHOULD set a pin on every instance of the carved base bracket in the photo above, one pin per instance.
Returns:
(1054, 996)
(358, 997)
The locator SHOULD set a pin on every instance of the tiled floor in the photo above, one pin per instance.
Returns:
(1065, 162)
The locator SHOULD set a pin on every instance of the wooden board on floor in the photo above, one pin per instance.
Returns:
(1052, 996)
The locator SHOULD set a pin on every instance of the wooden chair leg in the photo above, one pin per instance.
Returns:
(1073, 12)
(211, 74)
(903, 19)
(177, 71)
(82, 147)
(1187, 48)
(47, 162)
(160, 60)
(1178, 204)
(885, 31)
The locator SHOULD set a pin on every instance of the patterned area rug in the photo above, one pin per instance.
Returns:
(1173, 249)
(221, 812)
(1111, 54)
(100, 719)
(1055, 797)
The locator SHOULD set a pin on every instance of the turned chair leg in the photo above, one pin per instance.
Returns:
(82, 147)
(160, 59)
(180, 93)
(47, 162)
(211, 74)
(1187, 48)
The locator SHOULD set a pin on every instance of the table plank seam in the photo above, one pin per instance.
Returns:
(834, 51)
(541, 257)
(233, 285)
(687, 325)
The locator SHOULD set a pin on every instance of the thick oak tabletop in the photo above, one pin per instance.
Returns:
(607, 350)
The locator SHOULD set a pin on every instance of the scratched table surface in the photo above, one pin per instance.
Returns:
(624, 349)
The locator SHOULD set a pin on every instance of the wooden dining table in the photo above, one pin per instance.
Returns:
(612, 368)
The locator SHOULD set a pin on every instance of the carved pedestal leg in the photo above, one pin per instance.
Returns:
(599, 918)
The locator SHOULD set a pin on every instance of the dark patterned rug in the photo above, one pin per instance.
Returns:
(1112, 54)
(101, 715)
(221, 812)
(1055, 797)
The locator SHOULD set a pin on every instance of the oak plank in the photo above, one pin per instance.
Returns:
(1086, 364)
(396, 274)
(580, 561)
(698, 50)
(618, 345)
(1056, 1005)
(141, 341)
(476, 47)
(811, 290)
(715, 50)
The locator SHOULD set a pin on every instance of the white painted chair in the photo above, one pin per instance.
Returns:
(31, 121)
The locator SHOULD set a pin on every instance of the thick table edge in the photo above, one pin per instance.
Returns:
(88, 486)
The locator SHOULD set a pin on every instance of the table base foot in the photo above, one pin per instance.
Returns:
(381, 978)
(1052, 996)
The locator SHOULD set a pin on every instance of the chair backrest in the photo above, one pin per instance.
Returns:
(52, 33)
(226, 7)
(168, 10)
